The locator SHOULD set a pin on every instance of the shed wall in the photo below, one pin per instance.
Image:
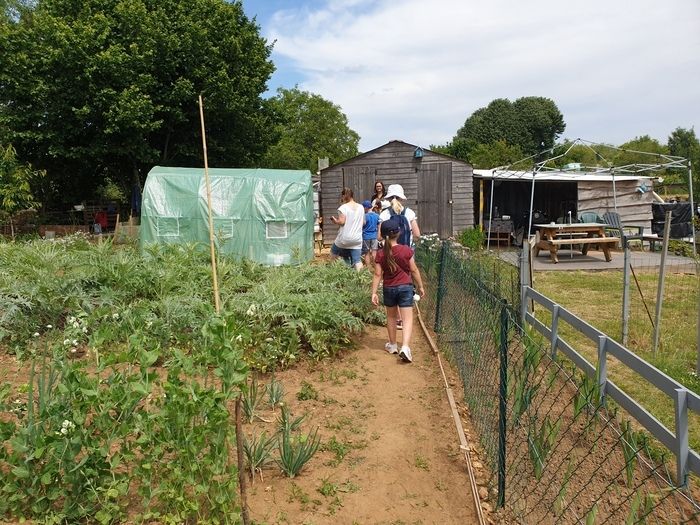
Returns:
(634, 207)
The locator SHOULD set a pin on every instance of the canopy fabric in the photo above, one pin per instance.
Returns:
(264, 215)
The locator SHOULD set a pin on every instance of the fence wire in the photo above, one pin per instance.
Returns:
(564, 456)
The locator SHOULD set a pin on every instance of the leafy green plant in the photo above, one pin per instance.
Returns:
(307, 392)
(472, 238)
(587, 396)
(630, 448)
(340, 449)
(640, 508)
(250, 399)
(286, 423)
(295, 451)
(592, 514)
(275, 393)
(258, 452)
(563, 489)
(540, 443)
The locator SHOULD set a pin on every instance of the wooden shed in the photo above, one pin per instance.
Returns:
(439, 188)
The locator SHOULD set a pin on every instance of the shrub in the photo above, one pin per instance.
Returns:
(472, 238)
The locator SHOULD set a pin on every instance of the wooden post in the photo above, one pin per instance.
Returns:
(217, 302)
(217, 307)
(625, 291)
(662, 276)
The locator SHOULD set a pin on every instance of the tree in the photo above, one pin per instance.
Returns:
(497, 153)
(15, 185)
(683, 143)
(100, 89)
(530, 123)
(309, 127)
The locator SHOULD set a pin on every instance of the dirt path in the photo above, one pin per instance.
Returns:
(390, 452)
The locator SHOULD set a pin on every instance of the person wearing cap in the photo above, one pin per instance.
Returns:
(369, 234)
(396, 268)
(395, 196)
(351, 219)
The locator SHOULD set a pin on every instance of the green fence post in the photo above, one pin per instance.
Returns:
(502, 397)
(441, 288)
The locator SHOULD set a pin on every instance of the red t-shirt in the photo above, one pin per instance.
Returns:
(402, 255)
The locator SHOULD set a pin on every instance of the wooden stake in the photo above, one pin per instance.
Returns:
(217, 301)
(217, 306)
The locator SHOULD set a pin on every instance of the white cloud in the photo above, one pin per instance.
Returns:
(414, 70)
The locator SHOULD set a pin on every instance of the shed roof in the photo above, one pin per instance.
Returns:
(561, 176)
(367, 153)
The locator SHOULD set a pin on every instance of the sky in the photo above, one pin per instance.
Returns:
(414, 70)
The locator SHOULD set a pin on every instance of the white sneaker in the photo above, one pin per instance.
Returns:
(405, 354)
(391, 348)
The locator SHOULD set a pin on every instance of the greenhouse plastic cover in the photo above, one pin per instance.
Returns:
(264, 215)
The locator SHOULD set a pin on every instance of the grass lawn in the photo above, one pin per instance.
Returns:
(596, 297)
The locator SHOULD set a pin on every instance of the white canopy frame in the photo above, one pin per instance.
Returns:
(663, 162)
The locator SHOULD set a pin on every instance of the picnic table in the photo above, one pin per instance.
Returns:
(585, 234)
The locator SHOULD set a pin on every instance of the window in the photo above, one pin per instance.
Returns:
(224, 227)
(276, 230)
(167, 226)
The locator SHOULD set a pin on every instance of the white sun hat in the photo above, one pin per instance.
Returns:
(395, 190)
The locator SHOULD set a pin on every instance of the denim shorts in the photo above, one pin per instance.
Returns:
(352, 256)
(401, 296)
(369, 245)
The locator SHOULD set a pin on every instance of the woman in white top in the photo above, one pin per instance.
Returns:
(395, 195)
(351, 219)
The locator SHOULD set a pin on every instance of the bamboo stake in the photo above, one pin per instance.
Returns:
(217, 301)
(217, 306)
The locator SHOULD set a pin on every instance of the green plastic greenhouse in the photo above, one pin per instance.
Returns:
(264, 215)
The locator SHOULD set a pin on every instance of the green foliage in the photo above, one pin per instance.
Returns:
(275, 393)
(522, 378)
(630, 448)
(250, 399)
(296, 450)
(307, 392)
(258, 452)
(16, 181)
(640, 509)
(587, 396)
(99, 89)
(592, 514)
(473, 238)
(288, 424)
(84, 436)
(309, 127)
(530, 124)
(540, 442)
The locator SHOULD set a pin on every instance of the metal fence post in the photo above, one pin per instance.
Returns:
(662, 276)
(626, 292)
(441, 288)
(602, 368)
(681, 406)
(502, 398)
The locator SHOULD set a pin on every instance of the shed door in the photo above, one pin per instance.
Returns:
(435, 199)
(360, 179)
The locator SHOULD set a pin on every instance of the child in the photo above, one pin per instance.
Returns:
(369, 234)
(396, 266)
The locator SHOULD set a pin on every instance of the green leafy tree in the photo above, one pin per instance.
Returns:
(309, 127)
(99, 89)
(530, 123)
(15, 185)
(683, 143)
(498, 153)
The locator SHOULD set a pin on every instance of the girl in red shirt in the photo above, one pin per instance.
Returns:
(396, 266)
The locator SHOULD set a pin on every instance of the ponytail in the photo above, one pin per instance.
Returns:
(396, 206)
(389, 243)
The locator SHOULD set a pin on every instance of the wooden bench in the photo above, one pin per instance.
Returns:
(604, 243)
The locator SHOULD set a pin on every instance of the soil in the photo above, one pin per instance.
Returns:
(402, 462)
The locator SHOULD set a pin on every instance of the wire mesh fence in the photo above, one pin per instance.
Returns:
(557, 453)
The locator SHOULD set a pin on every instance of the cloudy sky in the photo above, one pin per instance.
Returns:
(414, 70)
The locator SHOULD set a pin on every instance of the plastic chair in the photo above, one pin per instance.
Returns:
(590, 216)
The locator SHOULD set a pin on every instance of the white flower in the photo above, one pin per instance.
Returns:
(75, 342)
(73, 350)
(66, 427)
(115, 315)
(66, 342)
(76, 324)
(251, 310)
(149, 324)
(49, 326)
(71, 319)
(85, 329)
(239, 338)
(36, 334)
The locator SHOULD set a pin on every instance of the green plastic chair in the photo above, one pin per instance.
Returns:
(590, 216)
